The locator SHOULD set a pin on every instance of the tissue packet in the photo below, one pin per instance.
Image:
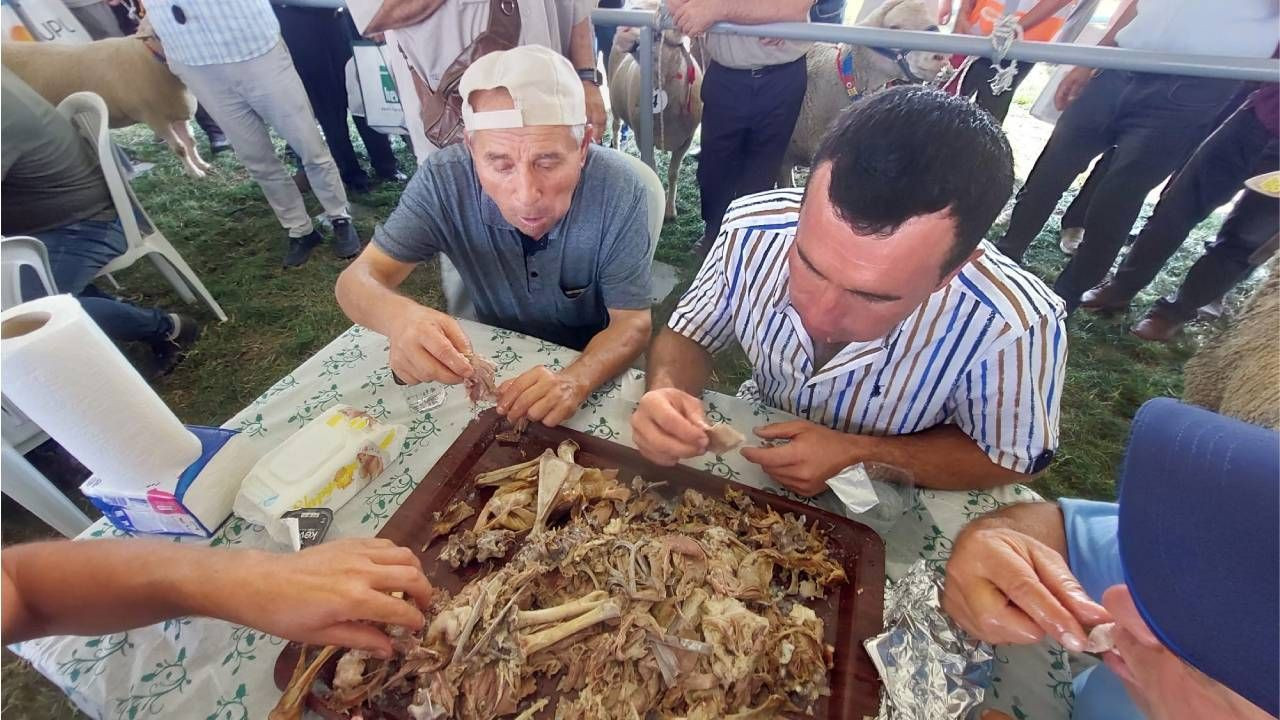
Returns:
(323, 465)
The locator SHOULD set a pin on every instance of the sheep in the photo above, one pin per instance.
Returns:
(826, 95)
(681, 86)
(131, 76)
(1238, 372)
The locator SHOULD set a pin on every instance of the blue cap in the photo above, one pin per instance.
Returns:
(1200, 542)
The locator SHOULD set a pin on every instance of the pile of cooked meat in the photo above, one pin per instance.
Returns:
(615, 602)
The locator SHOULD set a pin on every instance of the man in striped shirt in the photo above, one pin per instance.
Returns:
(869, 305)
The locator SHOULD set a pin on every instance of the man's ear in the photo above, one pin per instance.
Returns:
(946, 279)
(588, 136)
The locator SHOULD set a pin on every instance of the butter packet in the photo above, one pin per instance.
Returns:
(323, 465)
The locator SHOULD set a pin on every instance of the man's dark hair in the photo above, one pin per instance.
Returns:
(911, 151)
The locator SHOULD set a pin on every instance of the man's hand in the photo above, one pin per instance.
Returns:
(541, 396)
(324, 595)
(693, 17)
(427, 346)
(596, 115)
(812, 455)
(1071, 86)
(669, 426)
(1004, 586)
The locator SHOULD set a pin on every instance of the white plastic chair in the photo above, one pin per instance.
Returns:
(458, 301)
(18, 478)
(89, 113)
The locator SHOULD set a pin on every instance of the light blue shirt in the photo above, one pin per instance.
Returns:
(1093, 551)
(214, 32)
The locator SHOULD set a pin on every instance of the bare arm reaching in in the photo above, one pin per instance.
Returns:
(329, 594)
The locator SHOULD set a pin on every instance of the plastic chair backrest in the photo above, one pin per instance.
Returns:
(16, 253)
(88, 112)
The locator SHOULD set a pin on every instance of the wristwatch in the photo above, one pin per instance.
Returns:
(591, 75)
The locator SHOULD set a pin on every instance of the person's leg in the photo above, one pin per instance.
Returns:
(98, 20)
(1215, 172)
(276, 93)
(248, 133)
(1253, 222)
(1081, 134)
(217, 139)
(605, 33)
(985, 98)
(725, 121)
(309, 34)
(76, 253)
(1075, 213)
(776, 99)
(378, 145)
(1158, 124)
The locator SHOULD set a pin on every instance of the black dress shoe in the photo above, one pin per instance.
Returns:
(359, 184)
(300, 249)
(218, 143)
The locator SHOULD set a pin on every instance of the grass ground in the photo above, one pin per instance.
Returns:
(278, 318)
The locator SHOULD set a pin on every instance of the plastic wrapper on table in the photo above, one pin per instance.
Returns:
(930, 669)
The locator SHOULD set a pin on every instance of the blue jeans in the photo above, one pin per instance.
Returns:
(828, 11)
(76, 253)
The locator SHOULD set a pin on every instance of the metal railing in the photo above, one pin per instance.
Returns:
(1259, 69)
(1238, 68)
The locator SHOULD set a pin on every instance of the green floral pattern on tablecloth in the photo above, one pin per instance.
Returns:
(224, 672)
(384, 497)
(246, 644)
(232, 708)
(148, 696)
(88, 660)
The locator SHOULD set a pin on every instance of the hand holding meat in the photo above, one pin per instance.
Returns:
(812, 455)
(669, 426)
(429, 346)
(541, 395)
(327, 594)
(1006, 587)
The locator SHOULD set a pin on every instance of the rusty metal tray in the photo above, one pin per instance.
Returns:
(851, 614)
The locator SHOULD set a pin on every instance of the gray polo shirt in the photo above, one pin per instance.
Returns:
(596, 258)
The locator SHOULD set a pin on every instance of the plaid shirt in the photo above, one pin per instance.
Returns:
(214, 32)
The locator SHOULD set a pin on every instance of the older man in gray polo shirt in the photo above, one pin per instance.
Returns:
(550, 234)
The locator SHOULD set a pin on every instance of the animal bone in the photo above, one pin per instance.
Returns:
(497, 477)
(567, 450)
(573, 608)
(533, 642)
(294, 698)
(722, 437)
(554, 472)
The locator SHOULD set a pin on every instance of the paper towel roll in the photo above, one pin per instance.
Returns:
(63, 372)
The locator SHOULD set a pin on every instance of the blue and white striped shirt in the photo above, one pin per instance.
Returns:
(987, 352)
(214, 32)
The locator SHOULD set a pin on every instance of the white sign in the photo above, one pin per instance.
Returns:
(46, 21)
(378, 90)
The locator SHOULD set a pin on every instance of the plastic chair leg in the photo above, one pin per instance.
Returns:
(32, 490)
(184, 279)
(112, 278)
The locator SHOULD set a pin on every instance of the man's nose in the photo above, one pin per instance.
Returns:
(527, 190)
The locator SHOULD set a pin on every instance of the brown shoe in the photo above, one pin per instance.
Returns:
(1104, 300)
(1156, 326)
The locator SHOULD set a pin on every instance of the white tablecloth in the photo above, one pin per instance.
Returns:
(197, 668)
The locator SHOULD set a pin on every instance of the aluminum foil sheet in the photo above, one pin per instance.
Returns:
(930, 669)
